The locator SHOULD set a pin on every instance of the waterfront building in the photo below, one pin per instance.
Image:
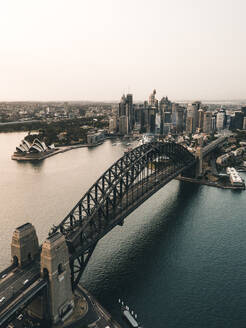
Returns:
(95, 138)
(235, 178)
(36, 146)
(224, 159)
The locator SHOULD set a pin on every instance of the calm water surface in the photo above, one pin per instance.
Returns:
(179, 260)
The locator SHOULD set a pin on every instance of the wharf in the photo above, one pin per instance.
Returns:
(210, 183)
(41, 156)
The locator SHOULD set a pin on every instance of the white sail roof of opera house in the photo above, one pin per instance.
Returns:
(37, 146)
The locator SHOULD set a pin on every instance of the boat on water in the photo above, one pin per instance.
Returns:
(129, 316)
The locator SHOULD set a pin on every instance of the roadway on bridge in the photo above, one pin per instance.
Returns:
(16, 282)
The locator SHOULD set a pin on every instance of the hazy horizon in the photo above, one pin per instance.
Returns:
(75, 50)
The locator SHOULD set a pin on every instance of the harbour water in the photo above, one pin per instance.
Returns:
(179, 259)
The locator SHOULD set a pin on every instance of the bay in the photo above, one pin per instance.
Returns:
(179, 259)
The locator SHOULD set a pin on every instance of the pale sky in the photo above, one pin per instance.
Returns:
(98, 49)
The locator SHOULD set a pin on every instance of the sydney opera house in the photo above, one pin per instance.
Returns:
(36, 147)
(32, 151)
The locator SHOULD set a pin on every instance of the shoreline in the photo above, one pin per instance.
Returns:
(40, 157)
(210, 183)
(88, 312)
(53, 152)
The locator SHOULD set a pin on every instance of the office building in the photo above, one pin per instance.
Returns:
(123, 125)
(200, 119)
(179, 113)
(192, 117)
(207, 123)
(126, 108)
(221, 120)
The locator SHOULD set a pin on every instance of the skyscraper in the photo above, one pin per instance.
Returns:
(123, 125)
(192, 116)
(130, 111)
(152, 100)
(179, 118)
(221, 120)
(122, 106)
(126, 109)
(238, 120)
(165, 109)
(200, 119)
(207, 123)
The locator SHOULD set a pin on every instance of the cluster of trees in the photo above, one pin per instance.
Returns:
(64, 132)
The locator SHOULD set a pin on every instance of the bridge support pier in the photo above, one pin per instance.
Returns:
(39, 308)
(55, 267)
(24, 245)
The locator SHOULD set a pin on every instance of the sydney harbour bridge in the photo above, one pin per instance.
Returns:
(43, 278)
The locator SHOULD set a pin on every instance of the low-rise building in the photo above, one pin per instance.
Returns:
(235, 178)
(223, 160)
(95, 138)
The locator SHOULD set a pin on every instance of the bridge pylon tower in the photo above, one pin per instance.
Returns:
(56, 269)
(24, 245)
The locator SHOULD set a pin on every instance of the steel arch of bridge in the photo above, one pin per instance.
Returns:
(121, 189)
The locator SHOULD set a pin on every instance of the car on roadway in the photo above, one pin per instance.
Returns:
(4, 275)
(20, 317)
(25, 282)
(2, 299)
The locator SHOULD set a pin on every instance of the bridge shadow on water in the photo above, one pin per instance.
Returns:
(117, 272)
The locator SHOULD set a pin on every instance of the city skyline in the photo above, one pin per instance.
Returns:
(95, 51)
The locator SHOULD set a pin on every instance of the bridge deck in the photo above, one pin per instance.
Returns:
(210, 147)
(136, 195)
(21, 301)
(16, 283)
